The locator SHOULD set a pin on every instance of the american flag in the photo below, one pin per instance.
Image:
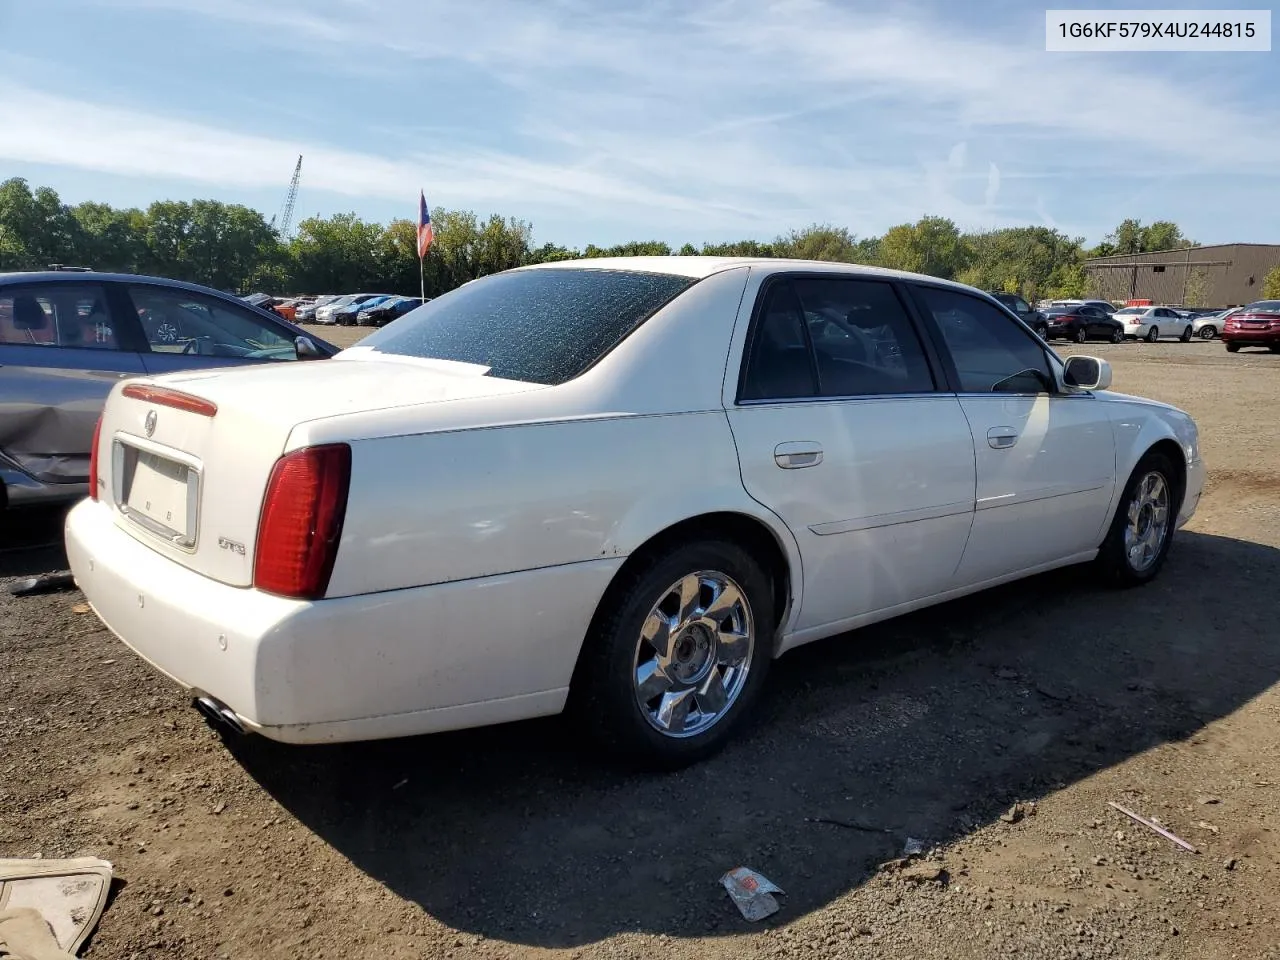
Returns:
(426, 232)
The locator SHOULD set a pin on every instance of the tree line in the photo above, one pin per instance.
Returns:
(233, 247)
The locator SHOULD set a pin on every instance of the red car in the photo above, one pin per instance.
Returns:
(1257, 325)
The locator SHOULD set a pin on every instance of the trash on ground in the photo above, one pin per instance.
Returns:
(1153, 826)
(913, 847)
(751, 892)
(50, 906)
(46, 583)
(1019, 811)
(848, 824)
(924, 872)
(81, 608)
(1205, 825)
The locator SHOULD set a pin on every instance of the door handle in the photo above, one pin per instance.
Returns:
(1002, 438)
(797, 453)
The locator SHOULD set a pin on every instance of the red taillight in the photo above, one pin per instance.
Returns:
(165, 397)
(301, 521)
(93, 459)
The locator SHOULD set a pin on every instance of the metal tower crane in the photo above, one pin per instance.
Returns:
(285, 216)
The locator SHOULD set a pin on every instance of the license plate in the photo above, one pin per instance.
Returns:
(159, 494)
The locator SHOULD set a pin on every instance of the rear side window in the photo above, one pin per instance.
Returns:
(537, 326)
(779, 365)
(991, 352)
(57, 315)
(863, 339)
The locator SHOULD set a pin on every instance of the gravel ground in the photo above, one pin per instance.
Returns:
(514, 842)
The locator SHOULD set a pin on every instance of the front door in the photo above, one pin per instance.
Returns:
(1046, 460)
(843, 432)
(61, 352)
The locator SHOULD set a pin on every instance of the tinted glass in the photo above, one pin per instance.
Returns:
(57, 315)
(539, 326)
(779, 365)
(863, 339)
(1265, 306)
(1058, 311)
(175, 321)
(991, 351)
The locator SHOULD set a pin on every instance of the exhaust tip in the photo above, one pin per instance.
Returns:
(219, 716)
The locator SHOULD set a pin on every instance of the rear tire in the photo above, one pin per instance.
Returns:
(1233, 347)
(1186, 335)
(1142, 529)
(1081, 335)
(1153, 334)
(1208, 333)
(1042, 331)
(1117, 336)
(618, 665)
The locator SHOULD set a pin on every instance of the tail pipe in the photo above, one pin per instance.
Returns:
(219, 715)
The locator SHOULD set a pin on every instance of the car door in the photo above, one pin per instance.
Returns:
(1165, 321)
(1096, 321)
(1045, 458)
(186, 330)
(843, 431)
(61, 352)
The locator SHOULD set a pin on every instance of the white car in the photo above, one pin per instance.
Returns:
(620, 485)
(1209, 326)
(1152, 323)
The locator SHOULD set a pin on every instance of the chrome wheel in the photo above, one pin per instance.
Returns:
(693, 654)
(1208, 332)
(1148, 522)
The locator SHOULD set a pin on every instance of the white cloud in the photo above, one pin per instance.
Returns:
(749, 115)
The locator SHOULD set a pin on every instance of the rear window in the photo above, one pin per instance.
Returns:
(538, 326)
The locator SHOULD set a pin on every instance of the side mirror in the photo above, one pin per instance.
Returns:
(306, 349)
(1087, 373)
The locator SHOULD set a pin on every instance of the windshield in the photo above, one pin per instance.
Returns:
(1059, 311)
(540, 326)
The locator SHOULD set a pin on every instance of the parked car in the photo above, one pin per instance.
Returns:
(1209, 325)
(1081, 323)
(1257, 325)
(325, 314)
(1104, 305)
(383, 313)
(541, 490)
(66, 340)
(345, 316)
(307, 312)
(1033, 318)
(1152, 323)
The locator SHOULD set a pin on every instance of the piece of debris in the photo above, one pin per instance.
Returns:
(751, 892)
(50, 906)
(81, 608)
(1204, 825)
(219, 807)
(46, 583)
(848, 824)
(1208, 801)
(1229, 863)
(897, 863)
(400, 784)
(1018, 812)
(924, 872)
(1153, 826)
(1099, 861)
(913, 847)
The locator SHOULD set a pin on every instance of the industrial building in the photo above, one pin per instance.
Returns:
(1224, 275)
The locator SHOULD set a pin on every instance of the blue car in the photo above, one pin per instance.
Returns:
(345, 315)
(66, 338)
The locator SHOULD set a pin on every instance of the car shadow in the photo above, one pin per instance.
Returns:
(31, 541)
(926, 726)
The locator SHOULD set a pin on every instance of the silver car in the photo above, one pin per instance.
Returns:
(66, 338)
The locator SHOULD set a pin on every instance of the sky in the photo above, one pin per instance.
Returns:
(600, 122)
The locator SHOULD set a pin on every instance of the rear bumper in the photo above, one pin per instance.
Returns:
(391, 664)
(1252, 338)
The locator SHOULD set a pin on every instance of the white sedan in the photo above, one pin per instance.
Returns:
(1152, 323)
(617, 486)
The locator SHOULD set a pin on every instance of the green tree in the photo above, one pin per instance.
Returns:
(1271, 284)
(932, 245)
(819, 241)
(336, 254)
(1197, 288)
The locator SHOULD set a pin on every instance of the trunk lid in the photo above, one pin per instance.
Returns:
(190, 485)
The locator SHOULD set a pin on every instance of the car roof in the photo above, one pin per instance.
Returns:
(68, 276)
(700, 267)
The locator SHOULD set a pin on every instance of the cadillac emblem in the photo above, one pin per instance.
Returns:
(150, 423)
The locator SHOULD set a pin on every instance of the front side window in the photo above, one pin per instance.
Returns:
(57, 315)
(176, 321)
(538, 326)
(991, 352)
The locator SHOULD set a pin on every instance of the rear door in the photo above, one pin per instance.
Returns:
(844, 431)
(1045, 460)
(61, 351)
(186, 331)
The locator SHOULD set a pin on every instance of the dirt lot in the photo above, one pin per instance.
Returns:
(512, 842)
